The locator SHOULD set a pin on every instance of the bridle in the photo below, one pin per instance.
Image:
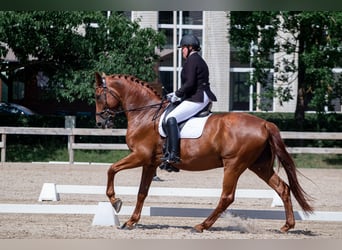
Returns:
(107, 113)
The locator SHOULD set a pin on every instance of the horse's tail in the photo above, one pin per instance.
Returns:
(278, 148)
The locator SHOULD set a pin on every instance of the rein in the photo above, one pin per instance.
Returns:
(159, 105)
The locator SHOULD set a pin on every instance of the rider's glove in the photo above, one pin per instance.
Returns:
(172, 97)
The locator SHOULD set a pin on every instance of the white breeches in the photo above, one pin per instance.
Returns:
(187, 109)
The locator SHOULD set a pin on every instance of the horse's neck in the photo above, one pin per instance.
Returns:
(133, 101)
(138, 103)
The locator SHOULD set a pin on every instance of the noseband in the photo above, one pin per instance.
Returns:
(106, 114)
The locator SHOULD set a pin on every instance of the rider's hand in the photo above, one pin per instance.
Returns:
(172, 97)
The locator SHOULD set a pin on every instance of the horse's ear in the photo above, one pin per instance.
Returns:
(98, 79)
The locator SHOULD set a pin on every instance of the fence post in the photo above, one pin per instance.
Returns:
(70, 122)
(3, 148)
(71, 140)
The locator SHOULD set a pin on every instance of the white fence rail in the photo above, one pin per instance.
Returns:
(72, 145)
(312, 136)
(70, 133)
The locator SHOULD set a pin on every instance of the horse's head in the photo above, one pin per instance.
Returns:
(107, 102)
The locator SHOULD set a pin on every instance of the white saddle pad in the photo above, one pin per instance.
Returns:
(193, 128)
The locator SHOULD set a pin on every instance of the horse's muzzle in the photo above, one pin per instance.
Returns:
(104, 123)
(104, 119)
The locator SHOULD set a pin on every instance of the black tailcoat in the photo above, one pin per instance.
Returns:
(195, 80)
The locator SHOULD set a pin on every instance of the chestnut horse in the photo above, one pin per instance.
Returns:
(233, 141)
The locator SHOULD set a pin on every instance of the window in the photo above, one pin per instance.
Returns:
(240, 91)
(18, 90)
(191, 17)
(175, 24)
(3, 91)
(165, 17)
(244, 97)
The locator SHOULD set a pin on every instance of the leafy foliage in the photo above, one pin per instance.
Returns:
(311, 46)
(72, 45)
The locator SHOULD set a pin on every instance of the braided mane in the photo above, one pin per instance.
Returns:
(137, 81)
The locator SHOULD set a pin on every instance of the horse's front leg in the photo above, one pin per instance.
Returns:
(131, 161)
(145, 183)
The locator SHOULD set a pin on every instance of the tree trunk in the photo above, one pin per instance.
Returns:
(301, 103)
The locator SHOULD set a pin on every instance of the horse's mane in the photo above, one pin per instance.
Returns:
(136, 80)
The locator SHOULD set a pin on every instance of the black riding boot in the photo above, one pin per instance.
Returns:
(172, 130)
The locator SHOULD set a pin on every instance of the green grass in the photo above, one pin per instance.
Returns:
(103, 156)
(39, 153)
(27, 153)
(318, 160)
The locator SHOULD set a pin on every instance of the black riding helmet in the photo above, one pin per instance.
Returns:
(190, 40)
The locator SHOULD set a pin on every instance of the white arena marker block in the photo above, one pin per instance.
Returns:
(105, 215)
(49, 192)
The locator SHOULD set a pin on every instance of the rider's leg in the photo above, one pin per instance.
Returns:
(187, 109)
(172, 131)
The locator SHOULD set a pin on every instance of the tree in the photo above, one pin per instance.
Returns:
(312, 46)
(72, 45)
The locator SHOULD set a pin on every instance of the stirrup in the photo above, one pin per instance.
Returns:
(171, 158)
(168, 167)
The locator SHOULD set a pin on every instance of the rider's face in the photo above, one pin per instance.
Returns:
(185, 52)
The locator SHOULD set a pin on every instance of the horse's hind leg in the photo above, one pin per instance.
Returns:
(227, 197)
(265, 172)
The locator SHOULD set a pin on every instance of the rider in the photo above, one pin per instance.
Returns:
(193, 95)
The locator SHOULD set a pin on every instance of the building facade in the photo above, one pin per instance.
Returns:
(211, 27)
(228, 77)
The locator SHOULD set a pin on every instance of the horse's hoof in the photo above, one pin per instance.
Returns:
(197, 229)
(117, 205)
(126, 227)
(286, 228)
(156, 178)
(123, 226)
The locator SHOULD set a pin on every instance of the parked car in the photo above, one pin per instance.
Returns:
(16, 109)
